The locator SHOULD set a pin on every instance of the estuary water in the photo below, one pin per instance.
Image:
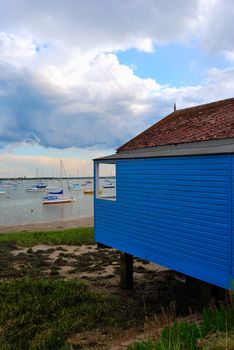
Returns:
(18, 207)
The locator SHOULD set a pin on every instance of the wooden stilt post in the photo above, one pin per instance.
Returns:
(220, 295)
(210, 293)
(205, 293)
(126, 271)
(102, 246)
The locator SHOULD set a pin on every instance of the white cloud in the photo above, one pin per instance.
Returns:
(230, 56)
(109, 25)
(82, 103)
(104, 24)
(16, 49)
(99, 102)
(61, 83)
(217, 25)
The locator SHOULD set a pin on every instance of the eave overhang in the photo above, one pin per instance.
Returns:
(220, 146)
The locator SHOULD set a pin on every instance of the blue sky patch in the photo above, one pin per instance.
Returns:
(175, 65)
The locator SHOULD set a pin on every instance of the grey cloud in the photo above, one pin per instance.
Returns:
(35, 112)
(32, 112)
(218, 27)
(102, 110)
(114, 25)
(32, 139)
(105, 23)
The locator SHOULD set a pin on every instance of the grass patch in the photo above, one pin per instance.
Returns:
(75, 236)
(214, 332)
(41, 314)
(219, 341)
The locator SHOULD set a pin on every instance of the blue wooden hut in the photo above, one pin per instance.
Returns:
(174, 194)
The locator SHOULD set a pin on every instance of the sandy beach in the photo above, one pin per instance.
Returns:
(140, 309)
(49, 226)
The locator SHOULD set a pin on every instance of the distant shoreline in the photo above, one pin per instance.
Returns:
(48, 226)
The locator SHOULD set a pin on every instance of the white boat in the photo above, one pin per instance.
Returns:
(57, 201)
(9, 185)
(40, 185)
(57, 197)
(75, 187)
(108, 185)
(51, 187)
(33, 189)
(51, 198)
(2, 191)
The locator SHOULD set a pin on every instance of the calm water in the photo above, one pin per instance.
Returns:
(20, 207)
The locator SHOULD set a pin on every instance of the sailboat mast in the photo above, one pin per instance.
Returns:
(61, 170)
(61, 173)
(65, 176)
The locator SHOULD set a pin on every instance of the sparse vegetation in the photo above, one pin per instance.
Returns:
(75, 236)
(215, 332)
(44, 312)
(40, 314)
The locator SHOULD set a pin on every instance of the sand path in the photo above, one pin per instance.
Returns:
(49, 226)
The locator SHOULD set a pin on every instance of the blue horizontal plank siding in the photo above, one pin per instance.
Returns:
(232, 217)
(174, 211)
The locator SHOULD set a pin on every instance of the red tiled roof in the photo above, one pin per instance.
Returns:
(210, 121)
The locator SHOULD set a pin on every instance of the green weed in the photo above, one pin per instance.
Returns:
(40, 314)
(217, 319)
(216, 328)
(149, 344)
(180, 335)
(75, 236)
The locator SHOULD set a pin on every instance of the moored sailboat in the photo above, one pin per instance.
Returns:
(56, 197)
(75, 187)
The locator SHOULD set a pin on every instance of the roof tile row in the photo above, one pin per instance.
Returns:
(205, 122)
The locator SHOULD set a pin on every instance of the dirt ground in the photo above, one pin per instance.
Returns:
(49, 226)
(155, 288)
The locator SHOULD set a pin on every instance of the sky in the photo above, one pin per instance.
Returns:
(80, 78)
